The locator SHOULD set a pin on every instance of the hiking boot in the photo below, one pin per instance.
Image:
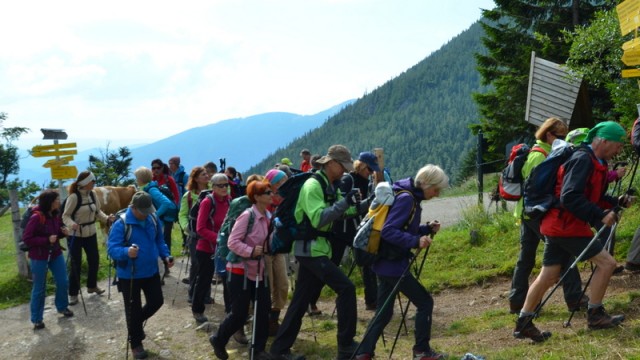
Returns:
(346, 351)
(633, 267)
(288, 356)
(73, 300)
(185, 281)
(139, 352)
(314, 311)
(39, 325)
(219, 351)
(526, 329)
(240, 337)
(618, 270)
(274, 326)
(364, 356)
(581, 304)
(427, 355)
(200, 318)
(263, 355)
(96, 290)
(598, 318)
(66, 312)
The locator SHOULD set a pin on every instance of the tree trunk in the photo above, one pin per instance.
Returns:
(21, 257)
(575, 10)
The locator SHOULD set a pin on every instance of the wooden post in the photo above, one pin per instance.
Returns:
(21, 257)
(380, 155)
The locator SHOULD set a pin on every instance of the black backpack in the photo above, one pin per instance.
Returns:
(195, 208)
(284, 227)
(539, 188)
(79, 203)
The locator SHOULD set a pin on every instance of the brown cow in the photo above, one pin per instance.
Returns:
(114, 198)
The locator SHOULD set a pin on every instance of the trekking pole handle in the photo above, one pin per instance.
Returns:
(133, 251)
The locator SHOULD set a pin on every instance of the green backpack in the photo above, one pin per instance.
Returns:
(237, 207)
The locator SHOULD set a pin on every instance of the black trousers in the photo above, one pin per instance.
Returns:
(136, 314)
(90, 246)
(202, 286)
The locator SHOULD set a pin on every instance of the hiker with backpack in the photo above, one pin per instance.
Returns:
(42, 235)
(161, 175)
(580, 187)
(135, 243)
(198, 182)
(208, 225)
(247, 244)
(179, 175)
(81, 209)
(530, 236)
(276, 263)
(318, 204)
(400, 233)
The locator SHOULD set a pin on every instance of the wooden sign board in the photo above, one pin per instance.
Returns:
(629, 73)
(64, 172)
(628, 16)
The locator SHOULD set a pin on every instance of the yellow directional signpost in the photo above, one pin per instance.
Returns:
(58, 169)
(629, 18)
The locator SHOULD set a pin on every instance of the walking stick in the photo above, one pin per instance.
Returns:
(175, 293)
(255, 311)
(593, 270)
(386, 302)
(75, 272)
(133, 272)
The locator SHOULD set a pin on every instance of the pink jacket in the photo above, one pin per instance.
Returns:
(242, 244)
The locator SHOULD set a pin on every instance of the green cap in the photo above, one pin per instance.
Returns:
(608, 130)
(576, 136)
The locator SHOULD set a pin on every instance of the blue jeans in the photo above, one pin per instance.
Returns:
(38, 292)
(417, 294)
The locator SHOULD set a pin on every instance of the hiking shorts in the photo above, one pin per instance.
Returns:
(562, 250)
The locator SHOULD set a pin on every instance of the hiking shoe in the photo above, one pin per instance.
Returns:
(139, 352)
(581, 304)
(219, 351)
(240, 337)
(345, 351)
(526, 329)
(515, 308)
(263, 355)
(618, 270)
(185, 281)
(73, 300)
(96, 290)
(427, 355)
(288, 356)
(364, 356)
(39, 325)
(629, 266)
(314, 311)
(66, 312)
(200, 318)
(599, 319)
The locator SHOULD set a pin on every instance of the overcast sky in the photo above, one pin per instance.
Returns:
(144, 70)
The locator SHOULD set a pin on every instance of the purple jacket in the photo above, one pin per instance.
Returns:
(393, 230)
(36, 236)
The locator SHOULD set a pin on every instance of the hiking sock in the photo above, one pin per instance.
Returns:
(593, 306)
(525, 313)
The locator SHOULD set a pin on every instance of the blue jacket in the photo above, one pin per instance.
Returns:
(181, 178)
(150, 240)
(165, 208)
(393, 230)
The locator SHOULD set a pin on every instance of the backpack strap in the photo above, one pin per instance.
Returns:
(539, 149)
(413, 208)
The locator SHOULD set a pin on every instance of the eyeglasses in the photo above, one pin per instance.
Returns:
(561, 137)
(370, 169)
(156, 167)
(221, 186)
(268, 192)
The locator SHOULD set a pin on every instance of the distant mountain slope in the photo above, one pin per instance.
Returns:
(419, 117)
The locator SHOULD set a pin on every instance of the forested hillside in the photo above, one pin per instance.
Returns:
(419, 117)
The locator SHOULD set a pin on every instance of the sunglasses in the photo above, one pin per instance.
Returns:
(221, 186)
(268, 192)
(561, 137)
(370, 169)
(156, 168)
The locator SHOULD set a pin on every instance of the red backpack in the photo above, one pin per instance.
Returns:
(511, 183)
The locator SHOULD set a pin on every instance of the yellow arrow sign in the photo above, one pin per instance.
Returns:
(64, 172)
(629, 73)
(635, 43)
(58, 162)
(39, 148)
(54, 153)
(628, 15)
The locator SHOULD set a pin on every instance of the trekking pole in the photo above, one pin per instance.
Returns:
(109, 279)
(353, 265)
(175, 293)
(386, 301)
(133, 272)
(255, 311)
(559, 282)
(593, 270)
(406, 308)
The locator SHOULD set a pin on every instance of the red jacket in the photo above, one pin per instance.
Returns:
(165, 179)
(208, 227)
(581, 186)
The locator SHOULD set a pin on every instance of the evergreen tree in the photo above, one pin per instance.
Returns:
(112, 167)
